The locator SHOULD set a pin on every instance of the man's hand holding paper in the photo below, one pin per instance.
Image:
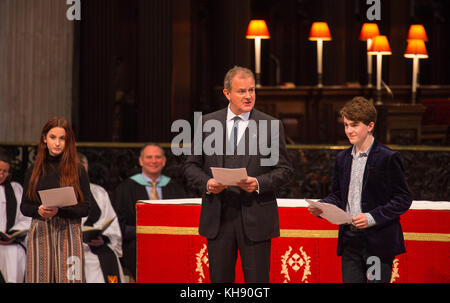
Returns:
(224, 177)
(215, 187)
(229, 176)
(249, 185)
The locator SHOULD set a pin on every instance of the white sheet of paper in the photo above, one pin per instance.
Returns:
(229, 176)
(331, 213)
(58, 197)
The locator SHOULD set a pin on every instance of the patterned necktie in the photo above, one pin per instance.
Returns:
(154, 193)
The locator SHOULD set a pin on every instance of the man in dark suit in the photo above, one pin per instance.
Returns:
(150, 184)
(369, 184)
(244, 217)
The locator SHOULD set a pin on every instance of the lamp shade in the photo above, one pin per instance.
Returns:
(368, 31)
(416, 48)
(417, 31)
(319, 31)
(380, 45)
(257, 28)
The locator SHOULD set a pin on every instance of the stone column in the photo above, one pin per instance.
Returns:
(36, 60)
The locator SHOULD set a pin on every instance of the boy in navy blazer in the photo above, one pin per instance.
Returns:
(369, 184)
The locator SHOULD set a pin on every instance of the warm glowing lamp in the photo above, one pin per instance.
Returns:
(257, 29)
(368, 31)
(319, 32)
(417, 32)
(416, 50)
(380, 46)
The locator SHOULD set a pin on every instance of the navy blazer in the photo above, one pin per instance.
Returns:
(385, 195)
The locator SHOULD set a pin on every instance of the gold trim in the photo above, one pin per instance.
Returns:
(286, 233)
(289, 146)
(167, 230)
(427, 237)
(304, 233)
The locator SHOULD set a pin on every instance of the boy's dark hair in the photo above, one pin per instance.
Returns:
(359, 109)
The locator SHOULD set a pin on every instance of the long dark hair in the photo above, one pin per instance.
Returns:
(68, 166)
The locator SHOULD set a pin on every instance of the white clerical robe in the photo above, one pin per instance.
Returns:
(92, 264)
(13, 256)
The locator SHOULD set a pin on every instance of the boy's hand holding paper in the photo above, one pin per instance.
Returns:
(330, 212)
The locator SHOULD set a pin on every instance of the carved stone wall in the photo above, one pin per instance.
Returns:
(427, 177)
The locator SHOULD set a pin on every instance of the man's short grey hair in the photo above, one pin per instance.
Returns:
(236, 70)
(141, 154)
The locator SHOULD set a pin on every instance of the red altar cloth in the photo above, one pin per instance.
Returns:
(169, 249)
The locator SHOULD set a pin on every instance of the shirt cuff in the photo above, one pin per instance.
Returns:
(370, 220)
(257, 189)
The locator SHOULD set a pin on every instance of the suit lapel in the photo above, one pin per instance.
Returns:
(369, 164)
(223, 119)
(347, 173)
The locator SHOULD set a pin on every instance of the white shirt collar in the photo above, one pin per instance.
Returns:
(231, 115)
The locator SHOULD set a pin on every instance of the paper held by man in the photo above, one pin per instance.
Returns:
(229, 176)
(331, 212)
(58, 197)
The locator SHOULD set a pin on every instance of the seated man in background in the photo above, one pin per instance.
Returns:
(12, 252)
(102, 254)
(150, 184)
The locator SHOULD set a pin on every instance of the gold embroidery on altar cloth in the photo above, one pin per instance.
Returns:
(395, 273)
(295, 262)
(201, 260)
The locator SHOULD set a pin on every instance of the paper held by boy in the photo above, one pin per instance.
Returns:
(331, 213)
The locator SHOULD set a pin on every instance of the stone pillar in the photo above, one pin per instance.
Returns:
(36, 59)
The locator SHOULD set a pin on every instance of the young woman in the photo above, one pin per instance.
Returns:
(55, 246)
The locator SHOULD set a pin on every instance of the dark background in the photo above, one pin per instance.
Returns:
(144, 63)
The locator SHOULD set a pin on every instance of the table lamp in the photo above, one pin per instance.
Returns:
(368, 31)
(319, 32)
(416, 50)
(417, 32)
(257, 29)
(380, 46)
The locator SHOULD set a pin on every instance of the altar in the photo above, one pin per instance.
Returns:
(170, 250)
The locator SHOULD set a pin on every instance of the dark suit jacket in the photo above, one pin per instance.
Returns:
(259, 211)
(126, 196)
(385, 195)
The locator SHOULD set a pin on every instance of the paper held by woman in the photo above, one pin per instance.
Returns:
(58, 197)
